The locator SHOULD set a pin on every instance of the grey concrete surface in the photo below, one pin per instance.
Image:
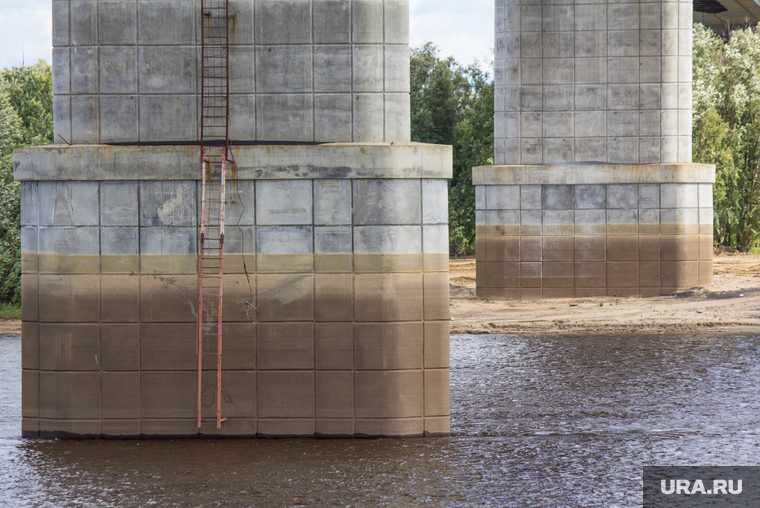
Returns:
(128, 72)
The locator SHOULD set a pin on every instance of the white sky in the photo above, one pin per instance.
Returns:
(460, 28)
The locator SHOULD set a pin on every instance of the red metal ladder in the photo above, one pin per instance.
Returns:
(215, 144)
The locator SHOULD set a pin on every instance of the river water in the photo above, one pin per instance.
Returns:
(557, 421)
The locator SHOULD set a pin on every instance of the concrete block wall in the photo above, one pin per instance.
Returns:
(557, 236)
(593, 81)
(128, 71)
(335, 301)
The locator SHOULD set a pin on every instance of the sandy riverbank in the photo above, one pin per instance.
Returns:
(731, 303)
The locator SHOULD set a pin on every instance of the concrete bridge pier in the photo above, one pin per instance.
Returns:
(336, 315)
(594, 192)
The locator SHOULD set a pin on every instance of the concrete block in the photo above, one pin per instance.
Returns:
(239, 346)
(167, 69)
(61, 23)
(335, 395)
(283, 22)
(62, 298)
(117, 23)
(622, 196)
(29, 249)
(388, 297)
(622, 221)
(285, 346)
(622, 123)
(284, 202)
(61, 71)
(387, 240)
(679, 195)
(242, 70)
(70, 347)
(480, 197)
(379, 202)
(530, 197)
(368, 21)
(125, 109)
(29, 206)
(396, 68)
(120, 346)
(83, 18)
(30, 292)
(623, 150)
(397, 118)
(119, 204)
(332, 21)
(590, 124)
(590, 149)
(649, 150)
(557, 197)
(168, 395)
(705, 195)
(530, 223)
(590, 196)
(283, 249)
(558, 150)
(388, 346)
(389, 394)
(286, 394)
(283, 297)
(557, 222)
(283, 69)
(332, 118)
(62, 117)
(70, 395)
(334, 346)
(30, 346)
(169, 298)
(332, 65)
(334, 296)
(168, 249)
(436, 346)
(590, 222)
(165, 347)
(239, 249)
(333, 240)
(167, 118)
(120, 300)
(558, 44)
(168, 203)
(649, 196)
(121, 395)
(332, 202)
(84, 119)
(368, 68)
(502, 197)
(649, 95)
(437, 392)
(396, 22)
(558, 125)
(435, 209)
(68, 203)
(590, 97)
(623, 97)
(284, 117)
(649, 123)
(243, 117)
(166, 23)
(119, 250)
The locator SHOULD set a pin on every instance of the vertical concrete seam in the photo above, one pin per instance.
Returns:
(353, 306)
(314, 283)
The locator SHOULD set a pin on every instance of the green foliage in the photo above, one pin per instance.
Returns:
(26, 118)
(727, 129)
(453, 105)
(9, 311)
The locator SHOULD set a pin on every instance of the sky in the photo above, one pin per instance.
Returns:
(460, 28)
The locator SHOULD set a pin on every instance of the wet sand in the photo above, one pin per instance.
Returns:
(732, 303)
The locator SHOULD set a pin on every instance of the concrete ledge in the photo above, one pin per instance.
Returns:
(256, 162)
(588, 174)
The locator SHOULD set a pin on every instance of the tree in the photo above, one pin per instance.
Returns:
(453, 105)
(726, 105)
(26, 118)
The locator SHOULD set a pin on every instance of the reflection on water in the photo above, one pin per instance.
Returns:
(536, 422)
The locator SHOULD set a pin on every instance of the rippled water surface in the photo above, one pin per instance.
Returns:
(536, 421)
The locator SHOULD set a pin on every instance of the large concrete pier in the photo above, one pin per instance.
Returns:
(336, 288)
(594, 192)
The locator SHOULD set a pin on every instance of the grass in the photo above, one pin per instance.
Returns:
(8, 311)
